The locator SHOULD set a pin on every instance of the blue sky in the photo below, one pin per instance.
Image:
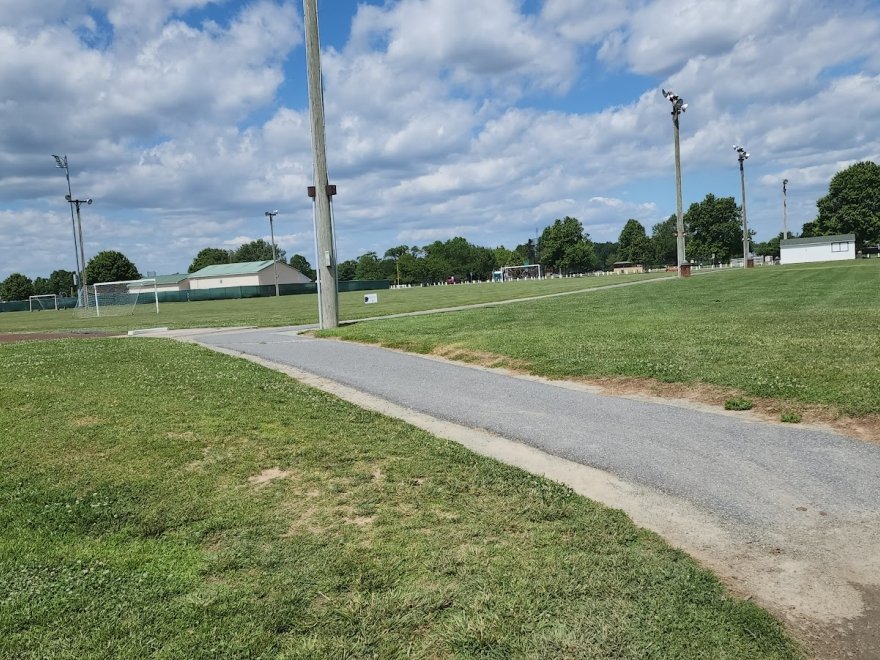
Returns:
(186, 119)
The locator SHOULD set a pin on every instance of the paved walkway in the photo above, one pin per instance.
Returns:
(784, 512)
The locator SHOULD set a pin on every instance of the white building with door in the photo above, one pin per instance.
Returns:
(247, 273)
(817, 248)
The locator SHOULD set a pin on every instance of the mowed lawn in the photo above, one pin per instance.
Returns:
(302, 309)
(160, 499)
(808, 334)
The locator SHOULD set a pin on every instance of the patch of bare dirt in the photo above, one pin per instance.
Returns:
(767, 410)
(480, 358)
(267, 475)
(10, 337)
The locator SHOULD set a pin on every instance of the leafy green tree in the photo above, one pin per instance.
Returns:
(634, 244)
(209, 257)
(369, 267)
(110, 266)
(578, 258)
(42, 286)
(557, 246)
(524, 254)
(258, 250)
(852, 205)
(715, 228)
(411, 269)
(394, 255)
(302, 265)
(606, 254)
(61, 282)
(504, 257)
(347, 270)
(16, 287)
(664, 245)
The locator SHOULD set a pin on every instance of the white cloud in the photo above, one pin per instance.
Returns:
(444, 117)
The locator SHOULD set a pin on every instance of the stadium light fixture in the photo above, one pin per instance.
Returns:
(271, 215)
(678, 107)
(61, 163)
(785, 209)
(742, 155)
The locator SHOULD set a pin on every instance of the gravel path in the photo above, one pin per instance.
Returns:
(787, 514)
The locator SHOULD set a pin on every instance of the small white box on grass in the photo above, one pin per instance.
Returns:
(371, 298)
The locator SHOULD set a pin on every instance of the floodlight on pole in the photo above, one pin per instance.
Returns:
(785, 209)
(678, 107)
(742, 155)
(61, 163)
(271, 215)
(82, 254)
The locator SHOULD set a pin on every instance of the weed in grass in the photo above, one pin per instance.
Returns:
(790, 417)
(739, 403)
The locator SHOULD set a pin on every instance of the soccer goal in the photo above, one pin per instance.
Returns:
(530, 272)
(119, 298)
(43, 301)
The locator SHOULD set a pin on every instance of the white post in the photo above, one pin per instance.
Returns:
(156, 295)
(97, 306)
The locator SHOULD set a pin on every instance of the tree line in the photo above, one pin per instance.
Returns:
(713, 233)
(106, 266)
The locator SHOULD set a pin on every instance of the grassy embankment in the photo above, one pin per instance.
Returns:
(162, 499)
(300, 310)
(802, 334)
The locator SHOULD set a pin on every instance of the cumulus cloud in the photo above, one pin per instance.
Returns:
(186, 119)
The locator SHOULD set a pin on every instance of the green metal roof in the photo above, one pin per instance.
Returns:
(818, 240)
(170, 279)
(223, 270)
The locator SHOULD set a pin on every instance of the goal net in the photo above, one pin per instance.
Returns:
(530, 272)
(120, 299)
(43, 301)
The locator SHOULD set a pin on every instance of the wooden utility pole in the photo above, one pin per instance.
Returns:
(328, 296)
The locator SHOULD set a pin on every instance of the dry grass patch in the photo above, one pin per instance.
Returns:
(268, 475)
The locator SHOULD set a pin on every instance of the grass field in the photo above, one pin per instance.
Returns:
(141, 516)
(808, 334)
(300, 310)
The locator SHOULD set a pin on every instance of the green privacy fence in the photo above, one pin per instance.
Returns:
(223, 293)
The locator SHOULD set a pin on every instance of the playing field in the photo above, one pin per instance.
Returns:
(160, 499)
(801, 334)
(303, 309)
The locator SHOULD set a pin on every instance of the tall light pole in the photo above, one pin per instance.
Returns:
(61, 162)
(742, 155)
(271, 215)
(785, 209)
(322, 191)
(82, 254)
(678, 107)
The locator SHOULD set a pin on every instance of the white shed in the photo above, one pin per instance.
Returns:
(817, 248)
(247, 273)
